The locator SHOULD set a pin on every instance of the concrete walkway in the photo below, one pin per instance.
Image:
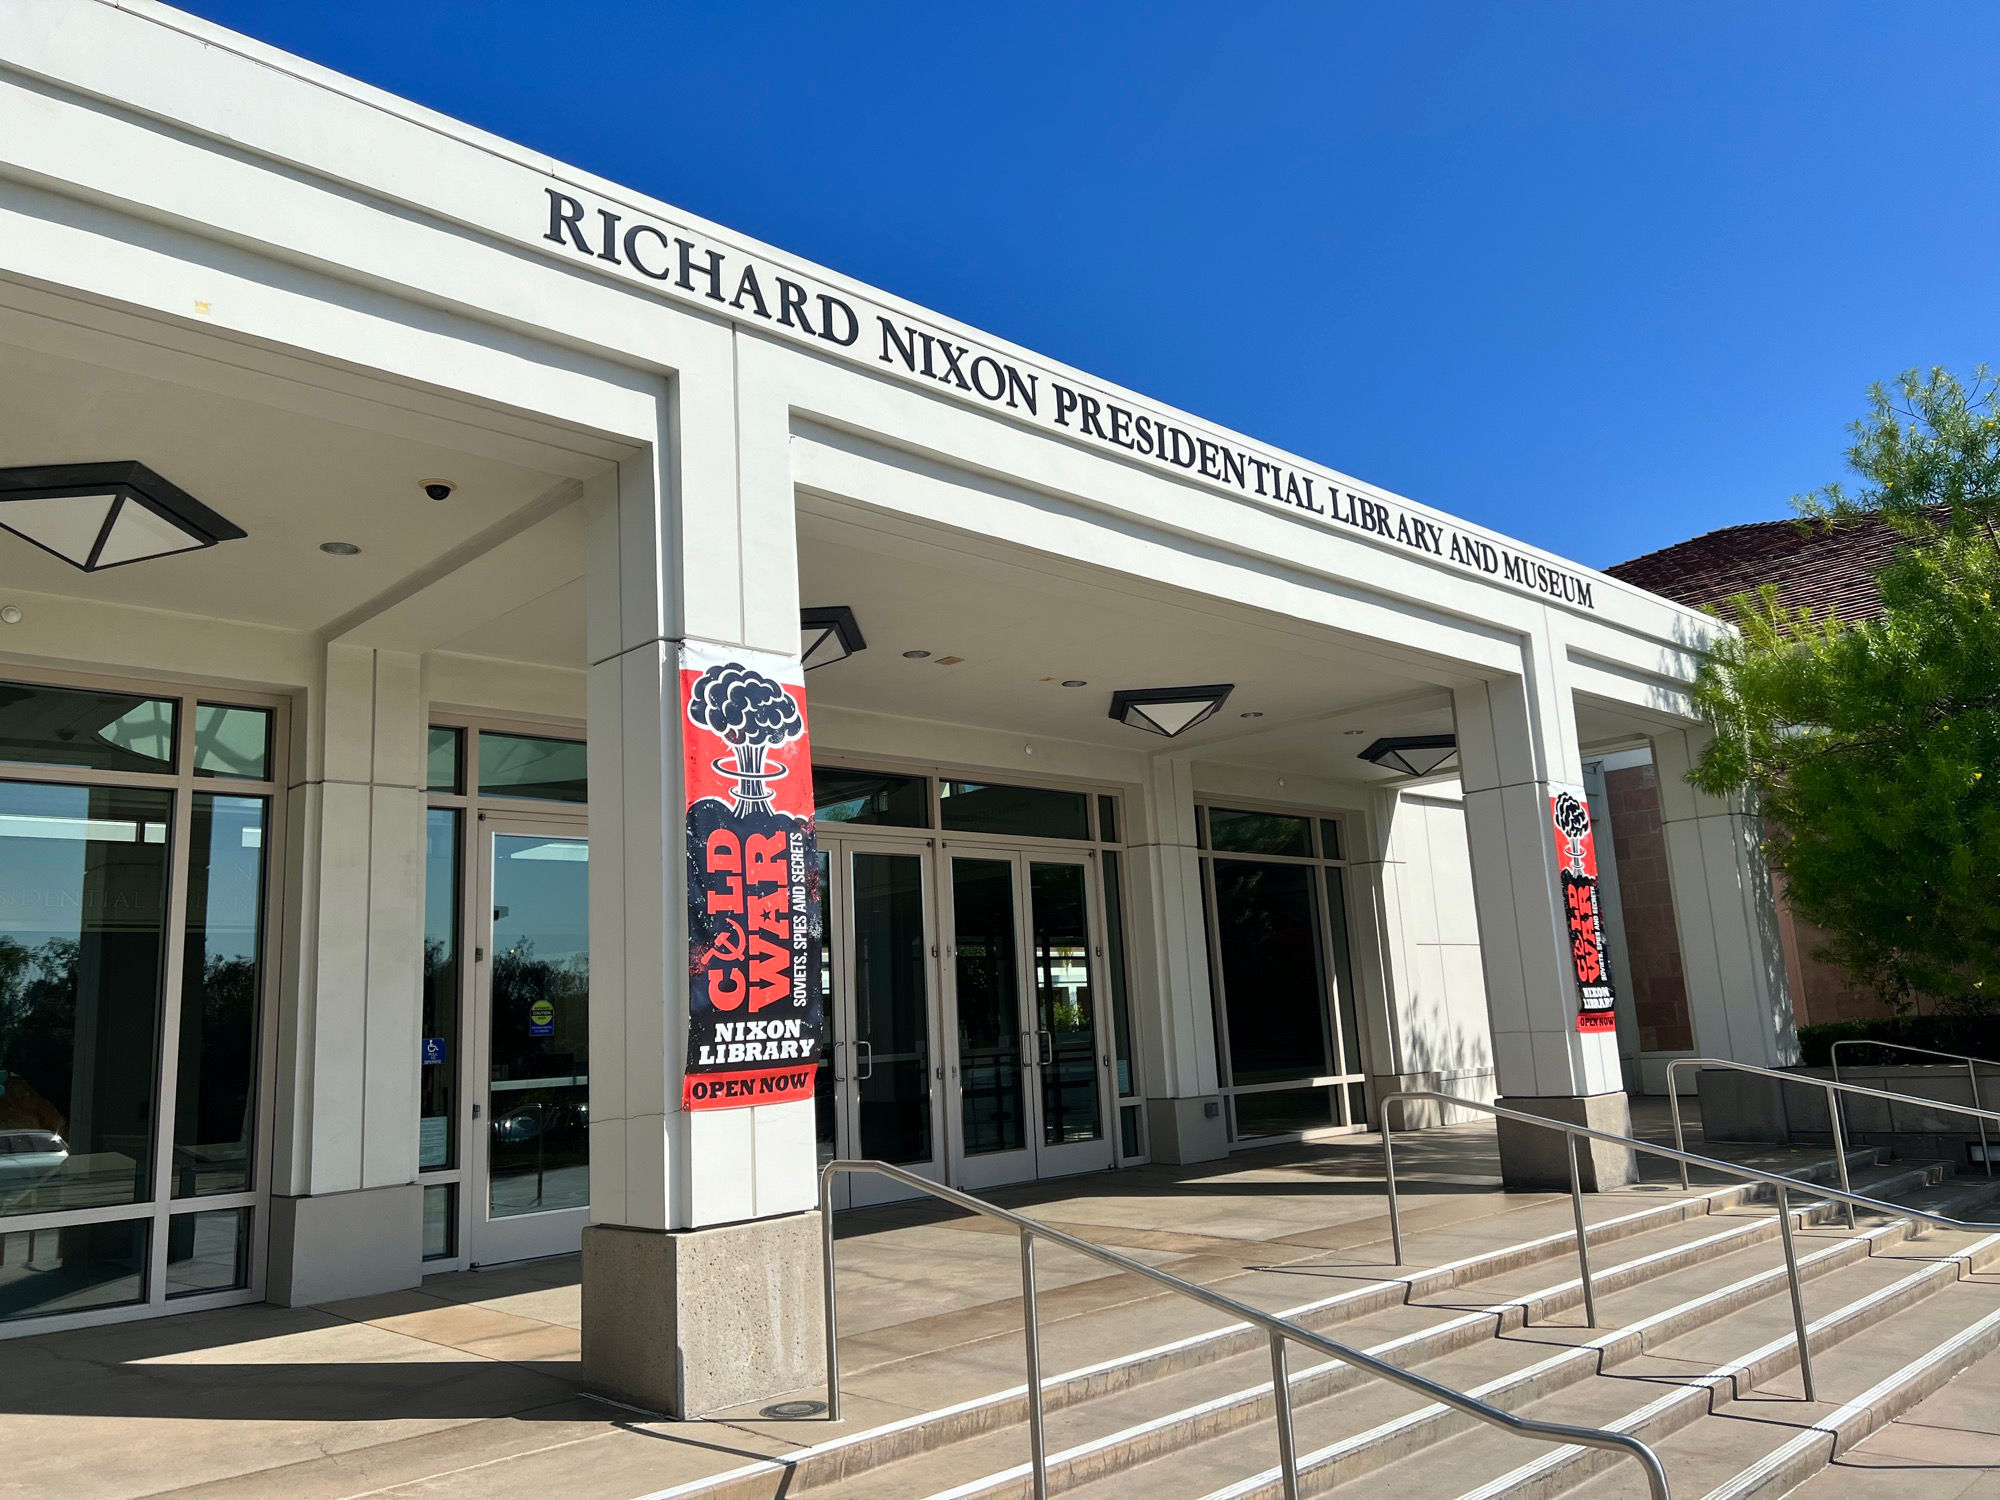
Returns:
(471, 1384)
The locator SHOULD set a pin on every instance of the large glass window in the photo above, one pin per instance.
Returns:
(882, 798)
(1268, 940)
(83, 906)
(1286, 1022)
(57, 726)
(131, 1088)
(444, 760)
(1258, 833)
(524, 765)
(222, 973)
(1018, 811)
(73, 1268)
(437, 1076)
(232, 741)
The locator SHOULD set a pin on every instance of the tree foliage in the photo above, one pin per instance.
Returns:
(1874, 746)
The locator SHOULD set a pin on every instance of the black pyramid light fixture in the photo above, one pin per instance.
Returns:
(828, 634)
(1171, 710)
(1413, 754)
(98, 516)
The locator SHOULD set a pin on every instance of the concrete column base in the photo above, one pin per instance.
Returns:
(689, 1322)
(1415, 1114)
(1536, 1160)
(332, 1246)
(1183, 1131)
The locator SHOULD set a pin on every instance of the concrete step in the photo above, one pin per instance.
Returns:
(1659, 1290)
(1429, 1449)
(1186, 1363)
(1945, 1447)
(1767, 1443)
(1524, 1363)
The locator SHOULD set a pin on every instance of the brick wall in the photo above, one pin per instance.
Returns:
(1820, 991)
(1646, 894)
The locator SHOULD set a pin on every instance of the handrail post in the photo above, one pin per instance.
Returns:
(1674, 1108)
(1798, 1296)
(1389, 1180)
(1840, 1149)
(832, 1325)
(1972, 1077)
(1281, 1396)
(1037, 1443)
(1582, 1240)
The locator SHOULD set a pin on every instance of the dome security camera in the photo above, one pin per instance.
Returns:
(439, 489)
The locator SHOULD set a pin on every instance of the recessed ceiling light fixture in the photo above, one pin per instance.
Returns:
(915, 655)
(1074, 682)
(1255, 713)
(1171, 710)
(1413, 754)
(98, 516)
(339, 549)
(827, 634)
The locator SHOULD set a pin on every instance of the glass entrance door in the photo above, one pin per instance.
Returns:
(879, 1074)
(530, 1102)
(1027, 1084)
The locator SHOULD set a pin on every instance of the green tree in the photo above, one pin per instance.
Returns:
(1874, 746)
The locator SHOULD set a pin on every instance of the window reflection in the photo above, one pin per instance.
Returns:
(83, 884)
(215, 1101)
(52, 726)
(437, 1079)
(540, 1079)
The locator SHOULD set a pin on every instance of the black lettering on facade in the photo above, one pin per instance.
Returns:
(565, 221)
(746, 286)
(711, 269)
(792, 306)
(632, 257)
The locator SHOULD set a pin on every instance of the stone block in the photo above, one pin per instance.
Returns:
(1536, 1160)
(1183, 1131)
(331, 1246)
(689, 1322)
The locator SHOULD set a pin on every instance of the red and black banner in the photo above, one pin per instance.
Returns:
(1576, 851)
(755, 1013)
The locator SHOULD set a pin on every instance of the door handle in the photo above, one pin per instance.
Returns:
(870, 1060)
(1032, 1047)
(1046, 1049)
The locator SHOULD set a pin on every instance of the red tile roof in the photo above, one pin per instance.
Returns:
(1828, 569)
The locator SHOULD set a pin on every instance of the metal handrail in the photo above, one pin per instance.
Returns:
(1278, 1331)
(1685, 1158)
(1971, 1074)
(1834, 1091)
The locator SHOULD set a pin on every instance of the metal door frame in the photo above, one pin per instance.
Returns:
(838, 915)
(1035, 1160)
(490, 1241)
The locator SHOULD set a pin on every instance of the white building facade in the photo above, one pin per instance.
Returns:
(345, 861)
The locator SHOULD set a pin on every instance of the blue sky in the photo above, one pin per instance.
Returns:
(1599, 275)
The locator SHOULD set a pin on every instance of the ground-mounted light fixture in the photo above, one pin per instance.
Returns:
(1413, 754)
(1169, 711)
(98, 516)
(828, 634)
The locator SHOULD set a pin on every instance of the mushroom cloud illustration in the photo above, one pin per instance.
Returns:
(752, 714)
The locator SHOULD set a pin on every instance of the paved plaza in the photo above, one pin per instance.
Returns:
(471, 1384)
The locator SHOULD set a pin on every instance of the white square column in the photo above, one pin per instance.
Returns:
(1518, 750)
(1739, 1002)
(346, 1210)
(701, 1273)
(1172, 1002)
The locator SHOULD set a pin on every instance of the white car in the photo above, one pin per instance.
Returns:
(28, 1157)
